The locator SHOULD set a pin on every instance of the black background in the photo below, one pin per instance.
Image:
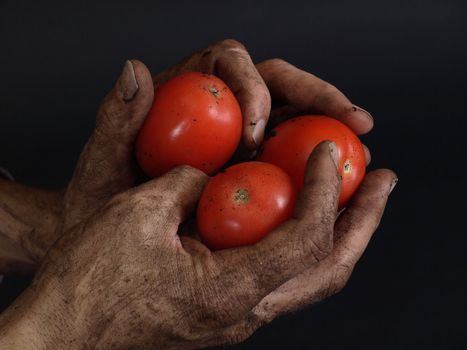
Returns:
(405, 61)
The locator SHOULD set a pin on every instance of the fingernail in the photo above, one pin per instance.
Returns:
(393, 184)
(258, 132)
(333, 152)
(364, 112)
(128, 83)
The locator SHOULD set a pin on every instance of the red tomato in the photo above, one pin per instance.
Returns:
(195, 120)
(242, 204)
(292, 141)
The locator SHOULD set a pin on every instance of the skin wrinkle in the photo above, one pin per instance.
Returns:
(26, 216)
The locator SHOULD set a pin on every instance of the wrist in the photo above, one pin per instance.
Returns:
(38, 319)
(29, 217)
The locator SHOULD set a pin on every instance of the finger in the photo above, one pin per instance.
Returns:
(236, 68)
(230, 61)
(321, 186)
(367, 155)
(104, 167)
(124, 109)
(167, 201)
(295, 245)
(359, 221)
(310, 94)
(354, 230)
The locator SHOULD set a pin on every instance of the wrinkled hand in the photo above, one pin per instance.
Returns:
(107, 165)
(32, 220)
(296, 92)
(293, 91)
(126, 279)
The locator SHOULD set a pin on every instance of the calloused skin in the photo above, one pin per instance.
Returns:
(119, 276)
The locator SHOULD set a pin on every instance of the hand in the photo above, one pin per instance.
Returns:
(296, 92)
(126, 279)
(107, 166)
(33, 219)
(293, 92)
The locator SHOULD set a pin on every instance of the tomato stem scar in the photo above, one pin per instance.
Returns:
(242, 195)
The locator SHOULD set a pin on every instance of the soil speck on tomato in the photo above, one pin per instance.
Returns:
(347, 166)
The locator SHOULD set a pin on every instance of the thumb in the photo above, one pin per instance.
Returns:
(106, 164)
(124, 109)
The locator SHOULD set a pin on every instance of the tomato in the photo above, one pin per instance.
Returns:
(291, 142)
(195, 120)
(242, 204)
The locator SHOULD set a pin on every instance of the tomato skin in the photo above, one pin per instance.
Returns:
(242, 204)
(195, 120)
(292, 141)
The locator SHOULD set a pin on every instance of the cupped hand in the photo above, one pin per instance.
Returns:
(125, 279)
(296, 92)
(107, 165)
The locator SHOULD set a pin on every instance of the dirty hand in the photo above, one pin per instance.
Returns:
(125, 279)
(32, 219)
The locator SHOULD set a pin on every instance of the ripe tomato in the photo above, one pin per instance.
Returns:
(242, 204)
(195, 120)
(291, 142)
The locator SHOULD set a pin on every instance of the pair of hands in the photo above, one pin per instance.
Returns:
(120, 275)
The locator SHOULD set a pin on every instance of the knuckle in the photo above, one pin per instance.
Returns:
(120, 200)
(340, 278)
(276, 63)
(132, 202)
(323, 190)
(240, 335)
(185, 176)
(327, 95)
(137, 201)
(273, 68)
(231, 44)
(371, 214)
(110, 116)
(320, 244)
(328, 88)
(186, 171)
